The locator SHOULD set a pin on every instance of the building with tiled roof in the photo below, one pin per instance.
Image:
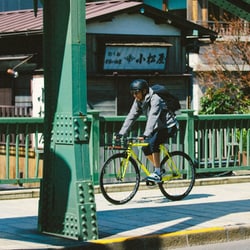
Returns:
(155, 44)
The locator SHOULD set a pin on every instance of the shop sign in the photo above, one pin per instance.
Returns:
(135, 58)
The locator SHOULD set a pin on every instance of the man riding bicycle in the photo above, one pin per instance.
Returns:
(161, 122)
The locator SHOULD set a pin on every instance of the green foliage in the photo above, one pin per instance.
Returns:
(225, 99)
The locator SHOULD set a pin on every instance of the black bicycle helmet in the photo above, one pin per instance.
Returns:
(139, 84)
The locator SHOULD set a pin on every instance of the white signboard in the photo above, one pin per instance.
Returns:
(38, 96)
(38, 103)
(135, 58)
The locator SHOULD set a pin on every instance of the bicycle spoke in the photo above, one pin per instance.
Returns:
(179, 176)
(119, 179)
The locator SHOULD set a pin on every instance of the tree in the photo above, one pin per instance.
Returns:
(226, 78)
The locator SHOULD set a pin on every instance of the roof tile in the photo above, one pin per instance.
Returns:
(21, 21)
(25, 20)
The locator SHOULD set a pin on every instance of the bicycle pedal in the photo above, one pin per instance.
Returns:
(150, 183)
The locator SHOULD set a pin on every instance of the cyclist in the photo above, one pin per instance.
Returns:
(161, 122)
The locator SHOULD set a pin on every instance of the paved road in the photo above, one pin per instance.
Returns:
(150, 213)
(209, 214)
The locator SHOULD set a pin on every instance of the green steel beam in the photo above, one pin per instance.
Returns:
(240, 8)
(67, 205)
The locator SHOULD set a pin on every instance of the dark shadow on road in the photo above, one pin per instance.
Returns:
(182, 216)
(121, 219)
(24, 229)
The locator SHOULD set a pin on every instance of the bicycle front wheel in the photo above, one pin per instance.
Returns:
(178, 175)
(119, 179)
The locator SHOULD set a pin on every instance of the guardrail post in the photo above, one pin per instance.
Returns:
(94, 145)
(189, 143)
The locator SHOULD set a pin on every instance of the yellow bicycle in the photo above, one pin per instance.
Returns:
(120, 174)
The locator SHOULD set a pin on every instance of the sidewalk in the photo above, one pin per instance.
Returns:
(212, 213)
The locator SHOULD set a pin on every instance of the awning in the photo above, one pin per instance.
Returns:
(13, 57)
(16, 62)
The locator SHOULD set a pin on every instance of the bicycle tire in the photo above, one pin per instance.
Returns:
(177, 188)
(115, 189)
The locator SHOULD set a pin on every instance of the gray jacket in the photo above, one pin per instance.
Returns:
(156, 111)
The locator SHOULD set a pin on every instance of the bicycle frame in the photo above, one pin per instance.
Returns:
(130, 153)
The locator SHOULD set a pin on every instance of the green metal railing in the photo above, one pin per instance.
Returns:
(217, 143)
(19, 152)
(221, 141)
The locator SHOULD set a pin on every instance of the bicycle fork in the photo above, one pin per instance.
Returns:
(125, 163)
(122, 169)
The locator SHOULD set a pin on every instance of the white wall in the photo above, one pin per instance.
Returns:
(134, 24)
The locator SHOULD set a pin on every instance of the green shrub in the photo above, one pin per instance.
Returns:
(225, 99)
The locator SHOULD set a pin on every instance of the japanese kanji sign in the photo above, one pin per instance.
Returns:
(135, 58)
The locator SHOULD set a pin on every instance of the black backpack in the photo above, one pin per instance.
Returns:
(172, 102)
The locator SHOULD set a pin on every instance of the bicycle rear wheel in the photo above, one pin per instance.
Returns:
(119, 179)
(180, 181)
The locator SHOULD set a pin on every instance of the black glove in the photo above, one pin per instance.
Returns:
(117, 140)
(118, 137)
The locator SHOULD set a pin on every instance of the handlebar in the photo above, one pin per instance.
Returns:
(124, 142)
(132, 139)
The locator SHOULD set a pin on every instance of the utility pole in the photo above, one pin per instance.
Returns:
(67, 203)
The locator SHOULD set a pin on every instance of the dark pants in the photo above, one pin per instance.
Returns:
(159, 137)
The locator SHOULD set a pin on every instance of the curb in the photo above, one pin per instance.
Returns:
(173, 240)
(222, 180)
(19, 194)
(24, 193)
